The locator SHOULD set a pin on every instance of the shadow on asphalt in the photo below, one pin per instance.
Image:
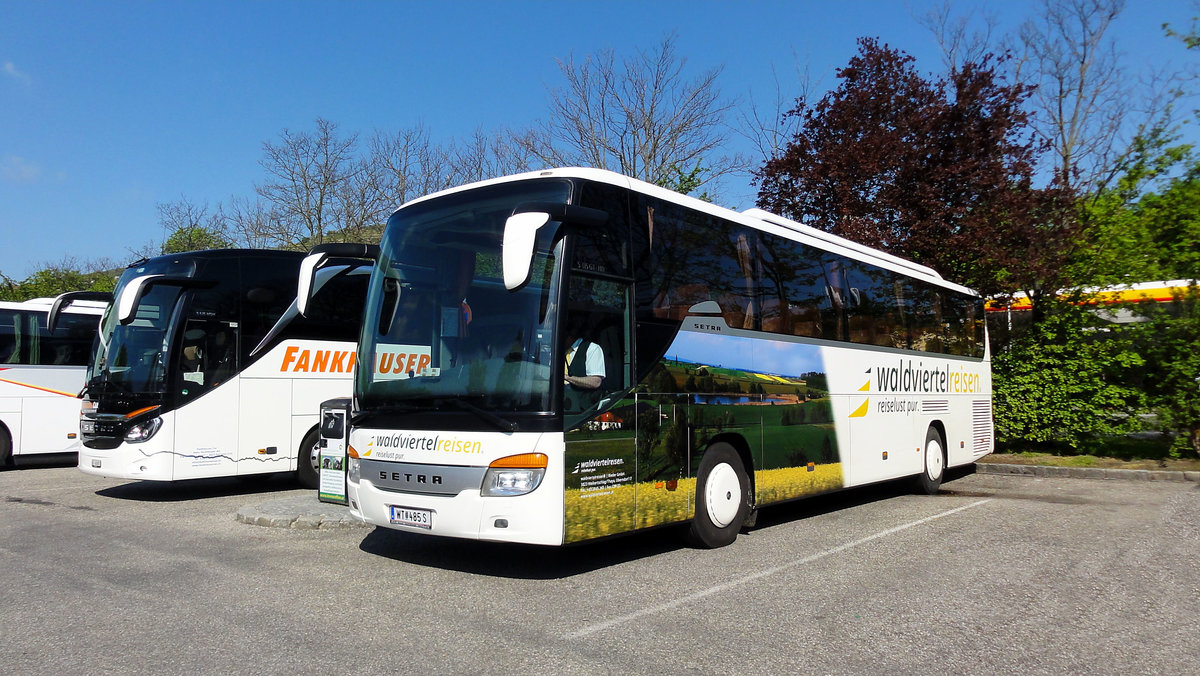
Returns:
(198, 489)
(531, 562)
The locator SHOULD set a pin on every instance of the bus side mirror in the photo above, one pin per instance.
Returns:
(127, 304)
(520, 234)
(320, 255)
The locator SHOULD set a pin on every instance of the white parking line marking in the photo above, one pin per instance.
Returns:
(654, 610)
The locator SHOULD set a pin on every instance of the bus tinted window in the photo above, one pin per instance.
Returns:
(11, 337)
(24, 340)
(330, 315)
(71, 342)
(697, 257)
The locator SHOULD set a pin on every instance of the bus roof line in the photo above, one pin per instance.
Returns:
(753, 217)
(841, 241)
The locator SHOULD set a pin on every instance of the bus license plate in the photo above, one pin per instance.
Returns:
(409, 516)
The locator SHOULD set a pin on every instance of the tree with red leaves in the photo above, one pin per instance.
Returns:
(937, 171)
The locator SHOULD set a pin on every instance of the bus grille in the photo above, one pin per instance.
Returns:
(981, 426)
(935, 406)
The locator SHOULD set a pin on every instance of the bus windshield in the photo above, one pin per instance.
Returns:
(440, 328)
(132, 358)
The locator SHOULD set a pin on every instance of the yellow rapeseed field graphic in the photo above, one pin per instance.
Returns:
(773, 485)
(618, 509)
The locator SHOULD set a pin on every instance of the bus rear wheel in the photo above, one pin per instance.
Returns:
(930, 478)
(722, 498)
(308, 460)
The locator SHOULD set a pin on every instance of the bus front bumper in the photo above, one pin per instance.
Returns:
(533, 518)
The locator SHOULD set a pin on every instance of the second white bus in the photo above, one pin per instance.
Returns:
(204, 366)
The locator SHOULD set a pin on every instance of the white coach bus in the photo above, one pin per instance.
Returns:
(41, 373)
(204, 366)
(727, 361)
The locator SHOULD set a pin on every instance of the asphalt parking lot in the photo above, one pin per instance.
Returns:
(996, 574)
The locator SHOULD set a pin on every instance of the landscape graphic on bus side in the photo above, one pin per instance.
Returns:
(633, 466)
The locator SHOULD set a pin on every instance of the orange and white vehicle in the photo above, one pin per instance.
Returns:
(1115, 304)
(206, 367)
(41, 373)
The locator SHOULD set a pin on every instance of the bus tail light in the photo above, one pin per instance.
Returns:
(514, 474)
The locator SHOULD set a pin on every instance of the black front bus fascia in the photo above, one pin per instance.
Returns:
(135, 373)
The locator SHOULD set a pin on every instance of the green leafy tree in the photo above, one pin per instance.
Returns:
(195, 238)
(55, 279)
(1065, 381)
(647, 432)
(1170, 343)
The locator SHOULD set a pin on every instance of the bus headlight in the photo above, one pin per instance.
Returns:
(352, 470)
(514, 475)
(143, 430)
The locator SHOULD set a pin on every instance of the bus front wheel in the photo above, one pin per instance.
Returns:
(930, 478)
(722, 498)
(308, 460)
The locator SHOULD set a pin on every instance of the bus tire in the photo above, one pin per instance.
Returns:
(308, 459)
(722, 498)
(6, 448)
(934, 465)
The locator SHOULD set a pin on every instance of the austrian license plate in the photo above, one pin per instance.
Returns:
(410, 516)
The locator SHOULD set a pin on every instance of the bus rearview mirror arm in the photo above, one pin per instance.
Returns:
(62, 300)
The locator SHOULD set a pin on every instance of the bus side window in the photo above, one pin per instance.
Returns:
(10, 337)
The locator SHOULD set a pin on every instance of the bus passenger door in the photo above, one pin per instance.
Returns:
(663, 450)
(206, 417)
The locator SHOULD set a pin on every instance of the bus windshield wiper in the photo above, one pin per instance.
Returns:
(104, 384)
(502, 423)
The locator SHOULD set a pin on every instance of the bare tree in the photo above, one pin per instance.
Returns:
(253, 224)
(957, 36)
(1083, 94)
(307, 177)
(488, 155)
(772, 128)
(406, 165)
(641, 117)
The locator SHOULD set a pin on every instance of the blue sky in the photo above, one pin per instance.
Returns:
(109, 108)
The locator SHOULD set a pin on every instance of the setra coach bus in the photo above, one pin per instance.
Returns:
(564, 355)
(205, 366)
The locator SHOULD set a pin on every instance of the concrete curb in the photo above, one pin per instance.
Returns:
(301, 512)
(1085, 472)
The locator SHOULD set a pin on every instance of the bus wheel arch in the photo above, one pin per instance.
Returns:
(6, 447)
(934, 457)
(308, 458)
(738, 442)
(723, 497)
